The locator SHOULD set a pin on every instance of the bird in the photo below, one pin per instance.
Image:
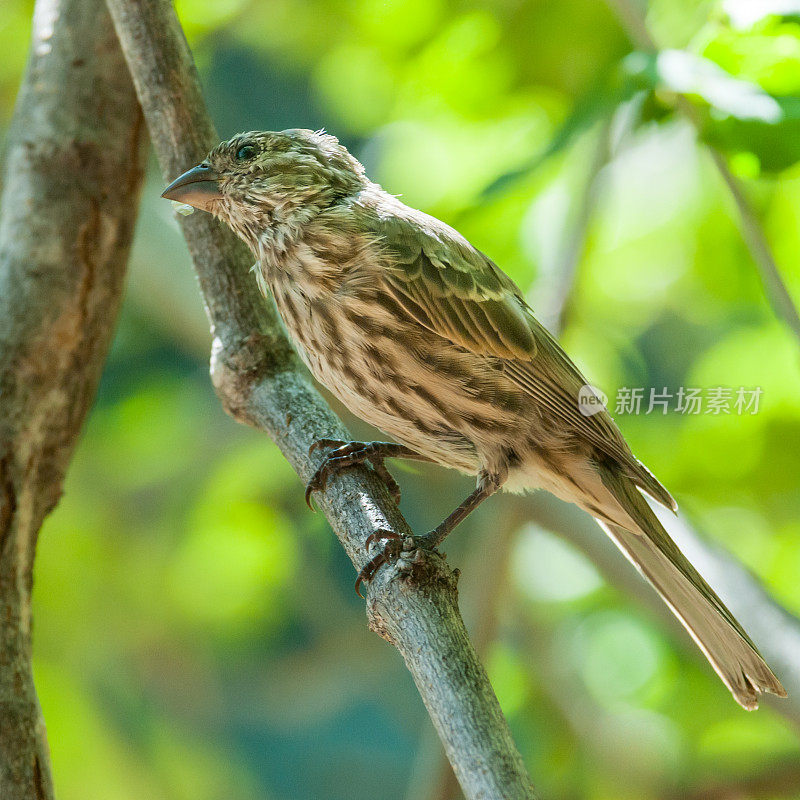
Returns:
(423, 336)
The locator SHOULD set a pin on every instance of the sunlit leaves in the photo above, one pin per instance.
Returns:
(197, 16)
(568, 574)
(766, 55)
(355, 84)
(95, 755)
(744, 743)
(687, 73)
(510, 679)
(231, 563)
(745, 13)
(617, 655)
(397, 25)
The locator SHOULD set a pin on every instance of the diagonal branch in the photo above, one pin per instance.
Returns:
(633, 21)
(71, 188)
(257, 377)
(756, 239)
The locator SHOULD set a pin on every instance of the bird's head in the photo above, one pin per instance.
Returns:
(261, 179)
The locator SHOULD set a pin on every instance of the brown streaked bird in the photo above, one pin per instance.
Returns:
(424, 337)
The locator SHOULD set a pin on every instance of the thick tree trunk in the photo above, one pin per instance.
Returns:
(70, 190)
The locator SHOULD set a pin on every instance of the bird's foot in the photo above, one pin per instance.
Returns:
(407, 551)
(347, 454)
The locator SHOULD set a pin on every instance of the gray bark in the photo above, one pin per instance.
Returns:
(70, 191)
(257, 377)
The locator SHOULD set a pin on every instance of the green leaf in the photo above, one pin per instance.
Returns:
(776, 146)
(768, 55)
(690, 74)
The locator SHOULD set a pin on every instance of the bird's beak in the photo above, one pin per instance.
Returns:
(196, 187)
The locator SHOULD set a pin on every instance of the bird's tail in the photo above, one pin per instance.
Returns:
(721, 638)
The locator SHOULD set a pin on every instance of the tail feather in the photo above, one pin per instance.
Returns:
(722, 639)
(645, 479)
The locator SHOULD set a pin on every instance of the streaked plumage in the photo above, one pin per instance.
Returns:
(423, 336)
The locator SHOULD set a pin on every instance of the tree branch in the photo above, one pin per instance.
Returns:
(755, 237)
(71, 186)
(258, 379)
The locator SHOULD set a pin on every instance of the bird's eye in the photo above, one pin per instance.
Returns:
(246, 152)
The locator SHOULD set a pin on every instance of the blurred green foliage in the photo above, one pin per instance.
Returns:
(196, 631)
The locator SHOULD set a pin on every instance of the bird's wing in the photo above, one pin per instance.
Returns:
(455, 291)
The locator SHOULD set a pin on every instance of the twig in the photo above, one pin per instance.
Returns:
(631, 15)
(256, 375)
(754, 235)
(74, 169)
(555, 309)
(633, 21)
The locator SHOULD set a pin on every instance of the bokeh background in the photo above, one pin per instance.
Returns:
(196, 631)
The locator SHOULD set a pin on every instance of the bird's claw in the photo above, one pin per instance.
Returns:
(320, 478)
(346, 454)
(406, 550)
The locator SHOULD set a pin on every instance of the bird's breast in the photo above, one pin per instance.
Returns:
(356, 350)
